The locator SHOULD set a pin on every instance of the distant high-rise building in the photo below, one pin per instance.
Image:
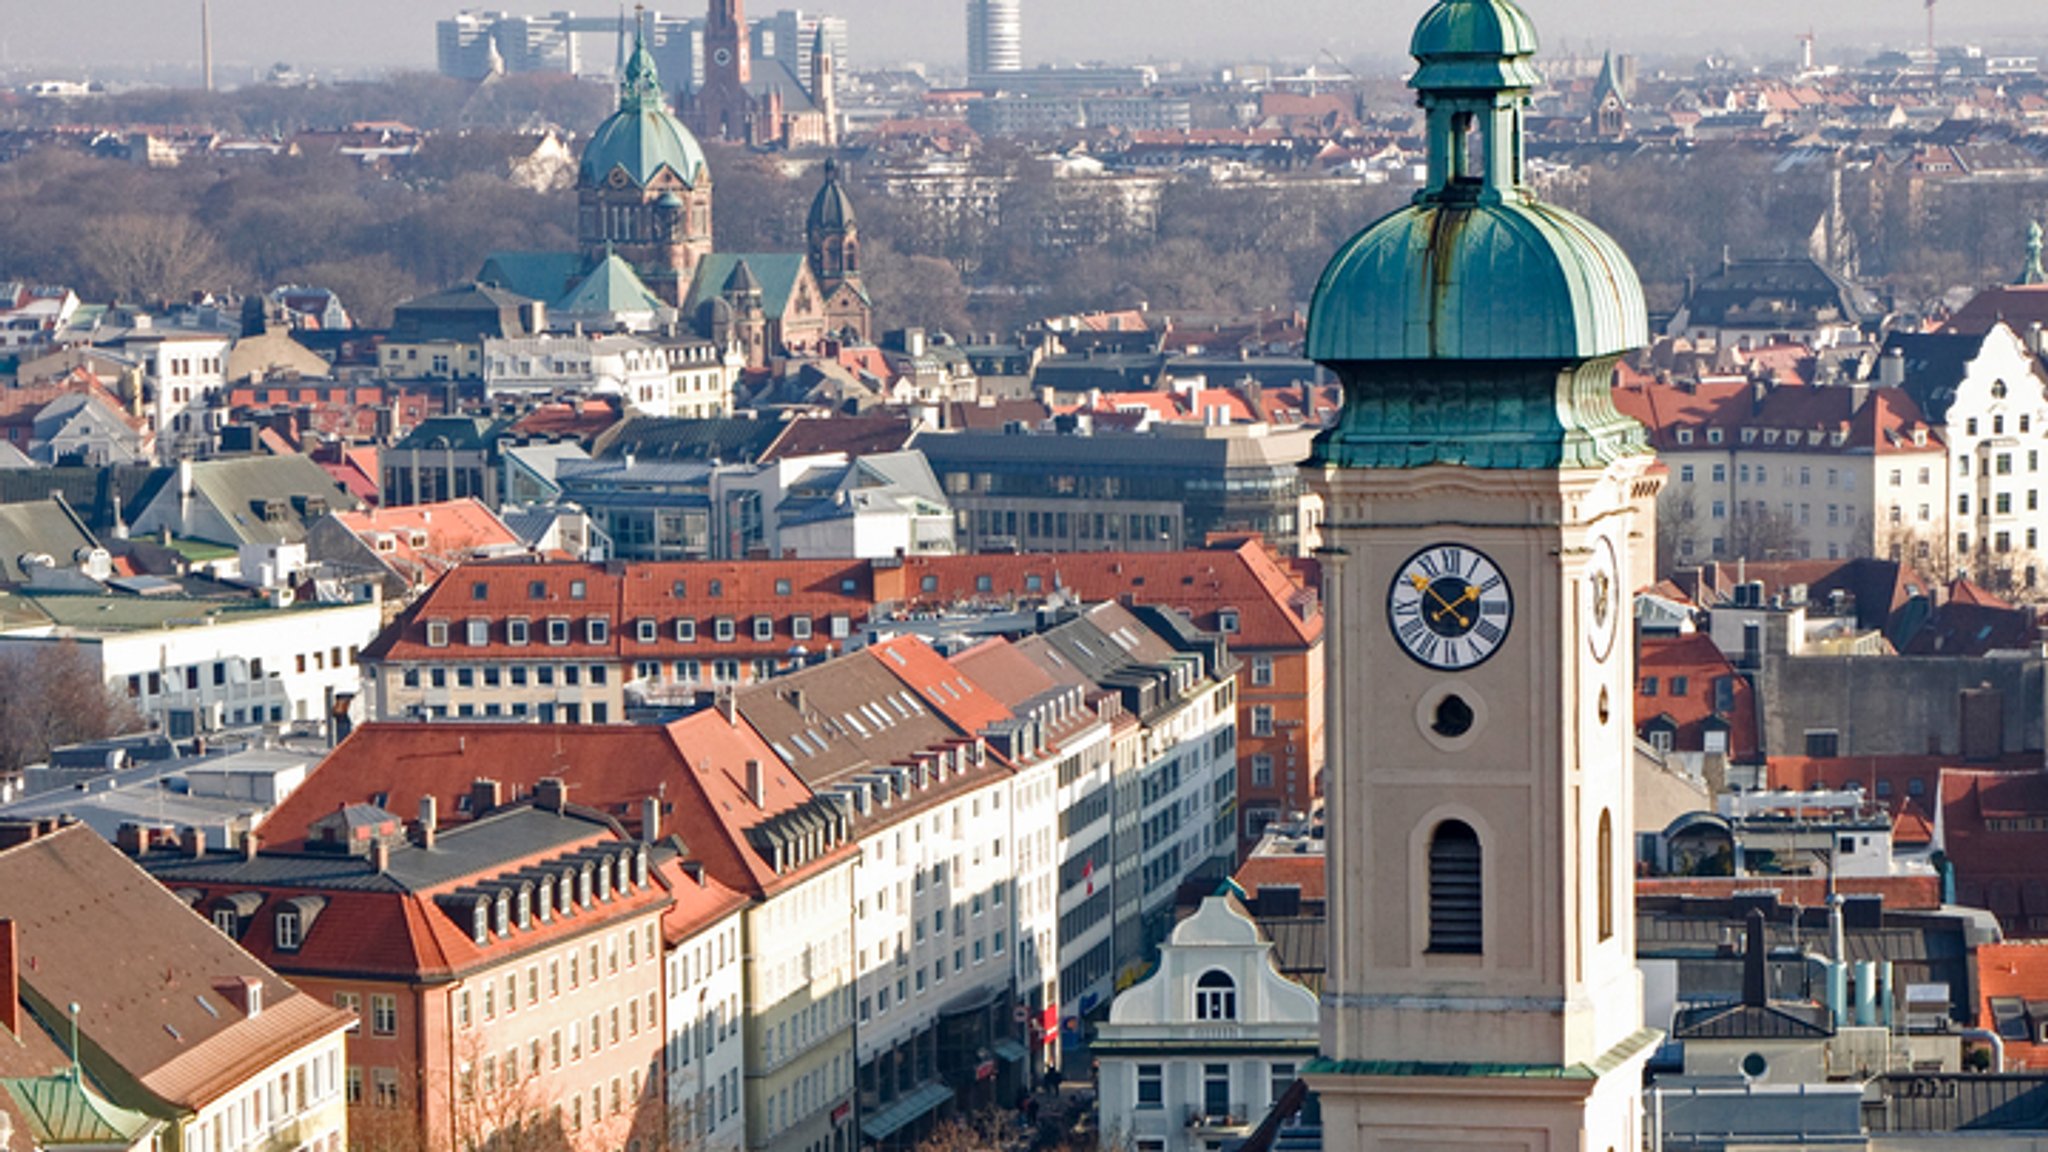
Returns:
(475, 44)
(995, 36)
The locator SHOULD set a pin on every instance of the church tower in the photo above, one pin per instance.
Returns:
(643, 190)
(1610, 106)
(833, 235)
(1483, 500)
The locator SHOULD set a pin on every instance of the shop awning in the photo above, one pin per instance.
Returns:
(884, 1121)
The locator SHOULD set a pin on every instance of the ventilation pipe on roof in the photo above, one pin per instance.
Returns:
(380, 855)
(1866, 993)
(430, 821)
(1990, 1037)
(650, 819)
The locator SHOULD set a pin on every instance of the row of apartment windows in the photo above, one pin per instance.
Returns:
(559, 631)
(2001, 503)
(265, 1106)
(679, 590)
(1997, 423)
(1216, 1081)
(221, 673)
(604, 960)
(881, 1002)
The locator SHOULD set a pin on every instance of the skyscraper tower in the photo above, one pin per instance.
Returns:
(1484, 504)
(995, 36)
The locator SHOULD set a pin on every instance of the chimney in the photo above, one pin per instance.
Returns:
(251, 845)
(483, 796)
(133, 839)
(650, 819)
(796, 700)
(430, 821)
(729, 708)
(246, 993)
(757, 784)
(380, 855)
(1891, 368)
(552, 793)
(1755, 987)
(195, 842)
(1859, 395)
(10, 980)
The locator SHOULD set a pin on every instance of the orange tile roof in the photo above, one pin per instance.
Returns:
(426, 540)
(1307, 873)
(2017, 970)
(696, 764)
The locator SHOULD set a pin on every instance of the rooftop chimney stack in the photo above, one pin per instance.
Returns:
(484, 795)
(430, 821)
(650, 819)
(552, 793)
(757, 784)
(195, 842)
(1755, 986)
(10, 980)
(380, 855)
(1891, 368)
(251, 845)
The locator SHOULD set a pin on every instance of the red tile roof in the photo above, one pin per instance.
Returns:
(1695, 662)
(1305, 872)
(1787, 419)
(1900, 893)
(697, 765)
(422, 541)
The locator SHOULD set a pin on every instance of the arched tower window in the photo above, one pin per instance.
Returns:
(1456, 909)
(1215, 996)
(1606, 880)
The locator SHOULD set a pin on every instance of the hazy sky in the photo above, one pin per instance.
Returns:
(131, 34)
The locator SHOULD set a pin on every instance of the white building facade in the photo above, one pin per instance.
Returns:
(1199, 1051)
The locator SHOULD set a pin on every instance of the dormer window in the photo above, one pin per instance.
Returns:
(437, 633)
(558, 631)
(764, 628)
(1685, 435)
(479, 633)
(525, 908)
(1714, 435)
(288, 930)
(724, 629)
(583, 885)
(646, 630)
(517, 631)
(480, 922)
(597, 630)
(800, 627)
(226, 920)
(686, 631)
(1226, 621)
(501, 913)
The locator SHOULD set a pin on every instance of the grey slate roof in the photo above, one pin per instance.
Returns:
(48, 527)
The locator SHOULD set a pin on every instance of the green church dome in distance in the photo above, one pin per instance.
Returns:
(1476, 271)
(642, 137)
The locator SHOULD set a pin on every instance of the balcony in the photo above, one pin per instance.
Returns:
(1208, 1121)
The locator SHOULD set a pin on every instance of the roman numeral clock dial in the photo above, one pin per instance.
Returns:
(1450, 607)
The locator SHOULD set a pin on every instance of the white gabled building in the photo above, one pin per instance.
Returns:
(1198, 1052)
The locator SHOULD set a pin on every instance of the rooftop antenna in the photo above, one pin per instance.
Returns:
(206, 42)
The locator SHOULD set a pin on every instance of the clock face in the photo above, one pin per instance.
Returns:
(1450, 607)
(1603, 595)
(723, 56)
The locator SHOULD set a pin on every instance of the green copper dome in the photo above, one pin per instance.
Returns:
(1476, 326)
(1512, 280)
(1474, 44)
(642, 137)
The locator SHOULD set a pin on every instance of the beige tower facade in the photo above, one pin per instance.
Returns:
(1484, 503)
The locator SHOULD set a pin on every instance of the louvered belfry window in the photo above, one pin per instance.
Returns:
(1456, 912)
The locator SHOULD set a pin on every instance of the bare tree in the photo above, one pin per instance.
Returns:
(151, 256)
(53, 696)
(1761, 534)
